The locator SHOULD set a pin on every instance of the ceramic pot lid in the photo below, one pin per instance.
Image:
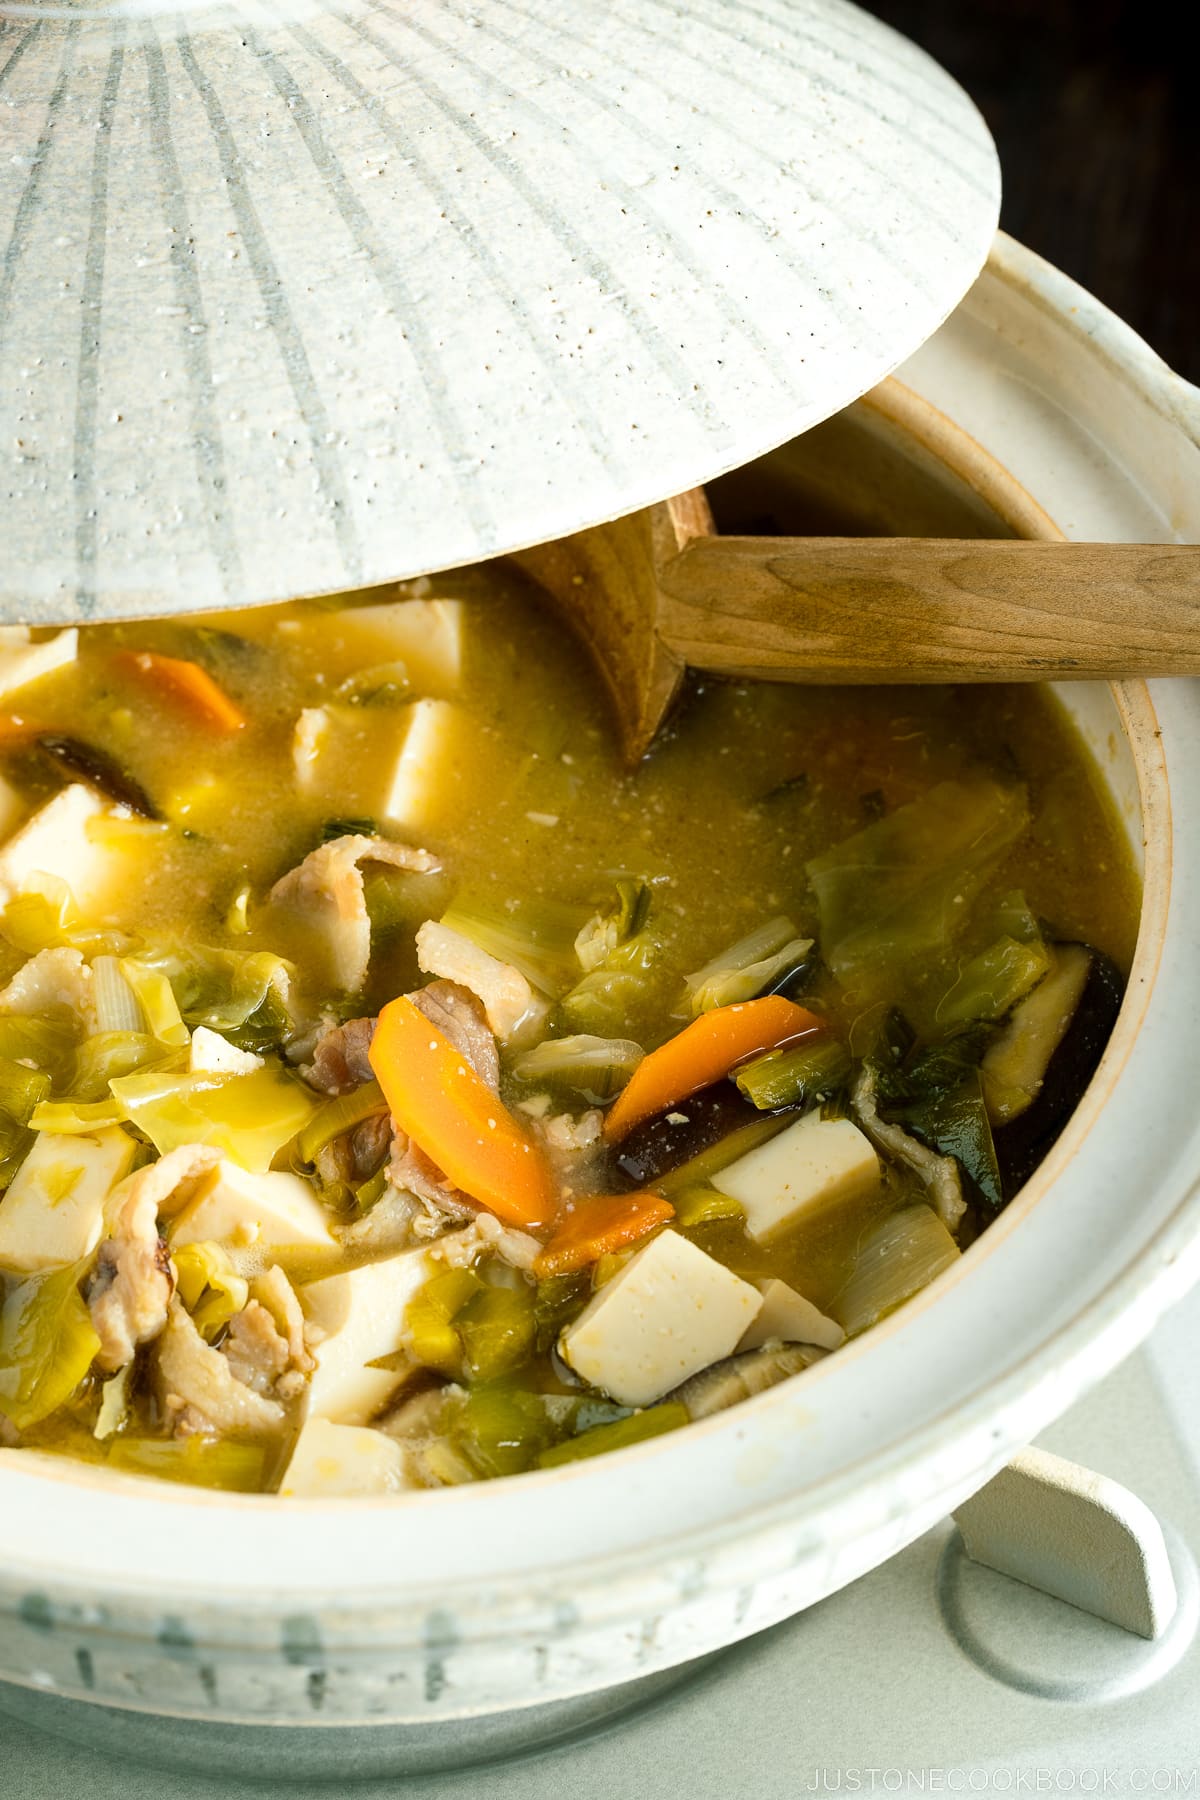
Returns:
(296, 296)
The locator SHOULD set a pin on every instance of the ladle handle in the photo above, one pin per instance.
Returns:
(930, 609)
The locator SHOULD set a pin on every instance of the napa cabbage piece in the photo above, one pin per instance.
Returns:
(249, 1118)
(900, 1256)
(956, 1124)
(744, 969)
(614, 924)
(596, 1067)
(602, 1002)
(47, 1344)
(47, 1039)
(902, 888)
(156, 999)
(990, 984)
(536, 937)
(209, 1286)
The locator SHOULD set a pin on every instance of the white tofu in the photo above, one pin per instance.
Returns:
(425, 635)
(211, 1054)
(427, 780)
(21, 664)
(57, 841)
(815, 1164)
(362, 1314)
(507, 997)
(668, 1313)
(788, 1315)
(53, 1212)
(275, 1211)
(331, 1460)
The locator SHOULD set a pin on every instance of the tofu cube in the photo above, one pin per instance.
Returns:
(331, 1460)
(668, 1313)
(53, 1212)
(427, 783)
(787, 1315)
(23, 662)
(813, 1165)
(424, 635)
(57, 842)
(362, 1316)
(275, 1211)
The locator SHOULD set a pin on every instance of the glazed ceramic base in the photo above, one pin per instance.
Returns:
(288, 1753)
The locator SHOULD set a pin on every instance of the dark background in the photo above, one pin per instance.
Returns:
(1095, 109)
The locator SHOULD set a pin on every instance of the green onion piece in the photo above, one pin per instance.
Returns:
(247, 1117)
(704, 1206)
(21, 1089)
(337, 1116)
(708, 1164)
(502, 1429)
(896, 1260)
(743, 969)
(75, 1118)
(636, 1429)
(157, 1001)
(46, 1344)
(796, 1077)
(990, 985)
(496, 1329)
(595, 1066)
(198, 1461)
(368, 1193)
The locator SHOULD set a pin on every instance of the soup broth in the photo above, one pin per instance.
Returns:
(397, 1091)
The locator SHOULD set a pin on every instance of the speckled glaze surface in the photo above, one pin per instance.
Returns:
(358, 1636)
(298, 295)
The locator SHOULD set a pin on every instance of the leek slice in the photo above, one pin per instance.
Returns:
(116, 1003)
(114, 1404)
(901, 888)
(705, 1206)
(198, 1461)
(496, 1329)
(797, 1077)
(156, 998)
(111, 1054)
(502, 1429)
(636, 1429)
(209, 1286)
(337, 1116)
(742, 970)
(21, 1089)
(902, 1255)
(247, 1117)
(47, 1344)
(47, 1039)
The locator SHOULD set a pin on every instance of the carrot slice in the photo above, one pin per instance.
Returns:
(435, 1096)
(188, 683)
(599, 1225)
(702, 1052)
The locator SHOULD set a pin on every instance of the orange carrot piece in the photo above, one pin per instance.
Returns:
(435, 1096)
(599, 1225)
(188, 683)
(702, 1052)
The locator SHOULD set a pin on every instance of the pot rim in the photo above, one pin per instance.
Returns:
(988, 1421)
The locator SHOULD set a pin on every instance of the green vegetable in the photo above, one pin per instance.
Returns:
(635, 1429)
(46, 1344)
(900, 1256)
(743, 969)
(556, 1301)
(337, 1116)
(157, 1002)
(956, 1123)
(1012, 917)
(47, 1039)
(112, 1054)
(209, 1286)
(615, 925)
(247, 1117)
(990, 985)
(901, 889)
(116, 1004)
(596, 1067)
(198, 1461)
(367, 1193)
(603, 1000)
(502, 1429)
(496, 1329)
(21, 1089)
(536, 937)
(796, 1077)
(41, 920)
(430, 1318)
(75, 1118)
(939, 1067)
(704, 1206)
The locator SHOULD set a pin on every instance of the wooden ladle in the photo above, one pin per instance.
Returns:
(661, 591)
